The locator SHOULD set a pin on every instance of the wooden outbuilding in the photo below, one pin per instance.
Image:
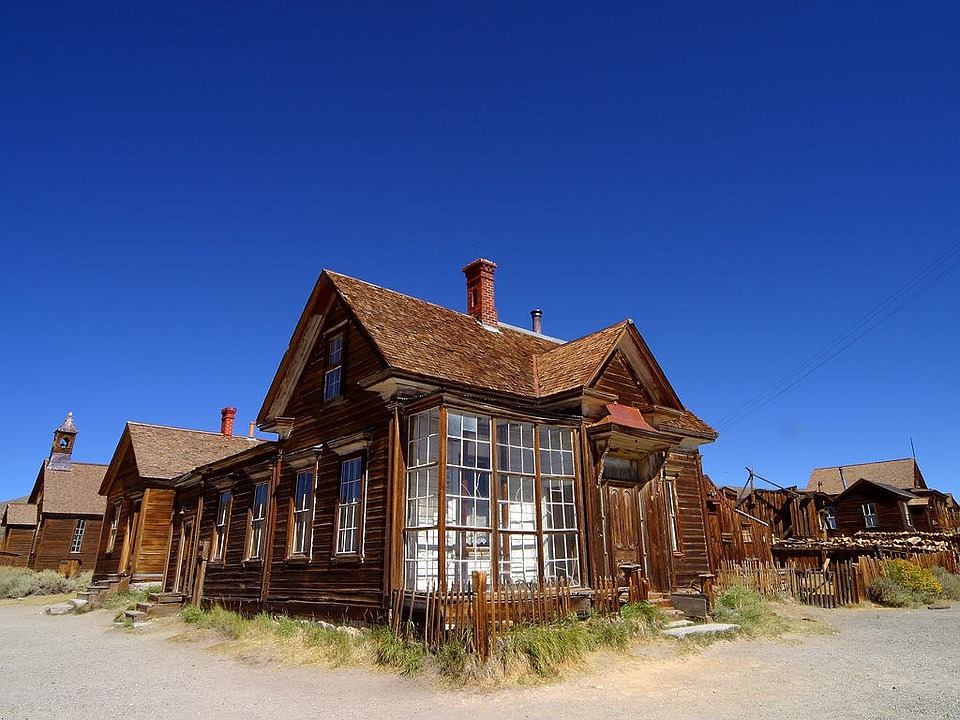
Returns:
(417, 445)
(896, 497)
(138, 487)
(18, 525)
(69, 508)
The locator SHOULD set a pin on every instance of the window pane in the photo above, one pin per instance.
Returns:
(466, 552)
(420, 555)
(561, 557)
(519, 558)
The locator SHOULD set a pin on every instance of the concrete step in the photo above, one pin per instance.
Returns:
(705, 629)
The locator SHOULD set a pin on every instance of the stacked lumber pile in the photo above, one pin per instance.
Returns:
(915, 542)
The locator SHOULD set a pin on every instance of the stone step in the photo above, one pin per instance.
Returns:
(135, 615)
(705, 629)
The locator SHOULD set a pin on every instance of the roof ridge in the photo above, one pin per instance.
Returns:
(870, 462)
(182, 429)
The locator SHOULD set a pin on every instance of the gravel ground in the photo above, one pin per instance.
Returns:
(879, 664)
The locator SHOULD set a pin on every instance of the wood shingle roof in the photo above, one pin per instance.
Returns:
(20, 513)
(70, 492)
(903, 474)
(164, 453)
(423, 341)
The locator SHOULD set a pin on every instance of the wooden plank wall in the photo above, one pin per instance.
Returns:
(54, 539)
(126, 483)
(18, 540)
(149, 558)
(849, 511)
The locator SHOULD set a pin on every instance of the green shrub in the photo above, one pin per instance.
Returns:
(546, 647)
(887, 591)
(401, 654)
(949, 583)
(22, 582)
(748, 609)
(914, 578)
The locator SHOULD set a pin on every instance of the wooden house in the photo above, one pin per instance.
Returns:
(791, 514)
(18, 525)
(138, 486)
(418, 444)
(69, 508)
(896, 497)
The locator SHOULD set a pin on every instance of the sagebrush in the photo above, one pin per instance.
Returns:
(23, 582)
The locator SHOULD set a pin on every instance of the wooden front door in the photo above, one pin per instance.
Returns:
(625, 526)
(185, 563)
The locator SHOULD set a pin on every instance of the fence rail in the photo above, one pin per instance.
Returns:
(479, 616)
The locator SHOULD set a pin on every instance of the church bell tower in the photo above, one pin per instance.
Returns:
(61, 452)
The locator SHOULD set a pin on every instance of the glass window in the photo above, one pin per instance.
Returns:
(535, 534)
(421, 543)
(350, 506)
(258, 516)
(220, 530)
(302, 510)
(870, 518)
(561, 556)
(77, 540)
(672, 527)
(114, 524)
(332, 377)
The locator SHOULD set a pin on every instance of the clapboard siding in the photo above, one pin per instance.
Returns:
(54, 540)
(18, 541)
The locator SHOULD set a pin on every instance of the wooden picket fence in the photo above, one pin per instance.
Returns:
(479, 616)
(833, 585)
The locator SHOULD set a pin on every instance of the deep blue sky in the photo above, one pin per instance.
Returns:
(745, 181)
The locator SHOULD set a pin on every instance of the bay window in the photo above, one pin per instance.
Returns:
(507, 505)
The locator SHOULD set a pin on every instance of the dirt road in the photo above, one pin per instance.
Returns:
(879, 664)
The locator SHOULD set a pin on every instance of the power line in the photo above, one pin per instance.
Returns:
(926, 278)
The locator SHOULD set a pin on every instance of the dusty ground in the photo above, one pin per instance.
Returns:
(879, 664)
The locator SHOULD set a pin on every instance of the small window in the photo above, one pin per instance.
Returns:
(332, 377)
(672, 524)
(830, 515)
(114, 523)
(258, 517)
(223, 520)
(77, 540)
(350, 507)
(302, 509)
(906, 515)
(870, 518)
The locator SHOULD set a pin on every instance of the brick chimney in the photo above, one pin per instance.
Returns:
(226, 420)
(480, 291)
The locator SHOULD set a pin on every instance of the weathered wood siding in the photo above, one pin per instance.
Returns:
(126, 483)
(617, 378)
(733, 537)
(849, 510)
(149, 558)
(324, 583)
(55, 537)
(18, 541)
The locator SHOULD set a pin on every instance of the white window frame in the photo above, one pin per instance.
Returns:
(870, 518)
(301, 514)
(349, 540)
(830, 516)
(258, 521)
(673, 527)
(333, 375)
(222, 524)
(76, 543)
(114, 524)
